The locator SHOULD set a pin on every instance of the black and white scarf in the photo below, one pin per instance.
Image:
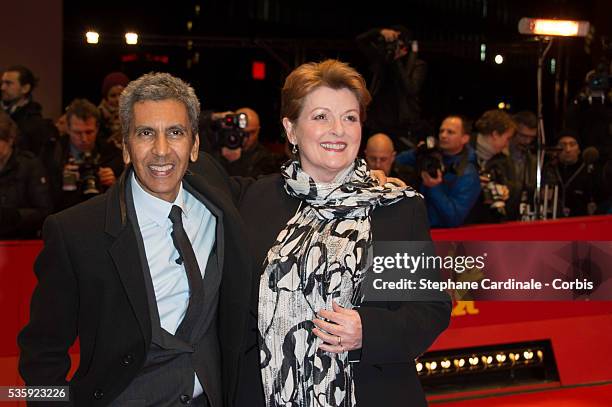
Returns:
(320, 256)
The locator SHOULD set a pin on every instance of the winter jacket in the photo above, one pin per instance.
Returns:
(449, 203)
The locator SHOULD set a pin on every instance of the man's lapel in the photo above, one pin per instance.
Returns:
(124, 252)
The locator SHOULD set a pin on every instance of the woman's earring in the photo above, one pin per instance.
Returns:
(294, 150)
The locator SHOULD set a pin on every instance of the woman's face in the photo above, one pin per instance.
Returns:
(327, 132)
(113, 95)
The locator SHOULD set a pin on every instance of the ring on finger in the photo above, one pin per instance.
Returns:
(340, 341)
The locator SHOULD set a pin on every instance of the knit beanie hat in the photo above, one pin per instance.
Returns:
(113, 79)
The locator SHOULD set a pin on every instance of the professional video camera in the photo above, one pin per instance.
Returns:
(82, 175)
(429, 158)
(597, 87)
(229, 130)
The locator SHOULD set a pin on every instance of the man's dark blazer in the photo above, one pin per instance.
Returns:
(91, 285)
(394, 333)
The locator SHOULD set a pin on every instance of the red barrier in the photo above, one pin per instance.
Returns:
(580, 331)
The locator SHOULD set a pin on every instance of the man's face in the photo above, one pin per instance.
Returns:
(501, 141)
(160, 145)
(61, 124)
(524, 135)
(380, 154)
(83, 133)
(12, 90)
(451, 136)
(6, 148)
(570, 152)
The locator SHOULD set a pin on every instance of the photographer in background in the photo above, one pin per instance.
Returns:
(398, 76)
(24, 192)
(576, 175)
(524, 157)
(236, 144)
(590, 114)
(80, 165)
(500, 197)
(450, 182)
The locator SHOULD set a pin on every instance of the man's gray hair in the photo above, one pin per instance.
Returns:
(156, 86)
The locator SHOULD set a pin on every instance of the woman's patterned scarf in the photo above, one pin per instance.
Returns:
(320, 255)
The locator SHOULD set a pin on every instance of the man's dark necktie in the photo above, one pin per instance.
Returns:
(196, 285)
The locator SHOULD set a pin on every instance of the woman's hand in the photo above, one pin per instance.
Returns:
(343, 332)
(382, 179)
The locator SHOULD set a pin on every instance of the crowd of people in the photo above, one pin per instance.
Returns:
(488, 174)
(469, 173)
(186, 286)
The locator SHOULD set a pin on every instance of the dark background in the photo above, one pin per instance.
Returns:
(228, 35)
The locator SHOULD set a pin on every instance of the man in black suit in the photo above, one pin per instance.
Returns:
(150, 276)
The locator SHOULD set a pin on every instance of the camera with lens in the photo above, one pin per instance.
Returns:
(390, 48)
(429, 158)
(82, 175)
(229, 130)
(597, 87)
(89, 174)
(493, 191)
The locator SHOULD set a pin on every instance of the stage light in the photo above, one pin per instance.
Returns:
(92, 37)
(483, 52)
(499, 59)
(528, 355)
(419, 367)
(501, 105)
(473, 361)
(546, 27)
(433, 365)
(131, 38)
(540, 355)
(445, 364)
(487, 360)
(500, 357)
(514, 357)
(459, 363)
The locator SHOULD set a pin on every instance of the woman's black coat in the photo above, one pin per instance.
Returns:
(394, 333)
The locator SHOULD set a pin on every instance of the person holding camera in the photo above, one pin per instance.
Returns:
(81, 166)
(500, 197)
(449, 177)
(24, 192)
(398, 76)
(250, 158)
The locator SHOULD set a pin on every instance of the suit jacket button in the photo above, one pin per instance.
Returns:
(128, 359)
(98, 394)
(185, 399)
